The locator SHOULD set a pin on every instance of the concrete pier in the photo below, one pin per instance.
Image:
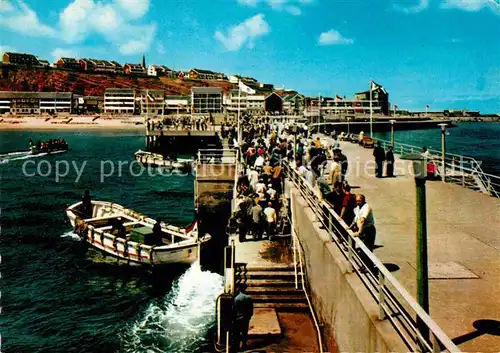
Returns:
(463, 228)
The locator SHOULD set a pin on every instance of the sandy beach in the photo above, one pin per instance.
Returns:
(71, 122)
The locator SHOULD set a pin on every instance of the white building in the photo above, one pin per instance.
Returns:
(152, 102)
(205, 100)
(35, 102)
(233, 100)
(119, 100)
(255, 104)
(55, 102)
(177, 104)
(158, 70)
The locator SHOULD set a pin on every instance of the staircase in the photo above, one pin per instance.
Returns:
(273, 287)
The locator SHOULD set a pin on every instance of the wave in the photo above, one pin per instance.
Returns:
(180, 321)
(71, 234)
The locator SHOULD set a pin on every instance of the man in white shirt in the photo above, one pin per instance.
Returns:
(271, 219)
(271, 192)
(365, 222)
(253, 178)
(259, 162)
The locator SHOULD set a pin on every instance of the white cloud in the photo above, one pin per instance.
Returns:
(245, 32)
(471, 5)
(82, 18)
(6, 6)
(160, 49)
(139, 40)
(24, 20)
(134, 9)
(63, 53)
(420, 6)
(290, 6)
(294, 10)
(252, 3)
(7, 48)
(333, 37)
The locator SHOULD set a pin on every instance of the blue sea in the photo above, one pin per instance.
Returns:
(60, 296)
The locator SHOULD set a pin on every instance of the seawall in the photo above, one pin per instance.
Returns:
(347, 312)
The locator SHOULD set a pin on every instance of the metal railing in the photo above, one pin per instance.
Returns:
(217, 156)
(410, 321)
(461, 170)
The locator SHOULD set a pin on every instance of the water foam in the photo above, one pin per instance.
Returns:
(180, 321)
(71, 234)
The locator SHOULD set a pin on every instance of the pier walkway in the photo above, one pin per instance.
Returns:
(463, 228)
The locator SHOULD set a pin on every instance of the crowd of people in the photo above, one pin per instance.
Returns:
(182, 122)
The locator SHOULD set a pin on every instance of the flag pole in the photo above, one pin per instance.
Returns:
(239, 103)
(371, 110)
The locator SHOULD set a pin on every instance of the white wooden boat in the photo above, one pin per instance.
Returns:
(157, 160)
(176, 246)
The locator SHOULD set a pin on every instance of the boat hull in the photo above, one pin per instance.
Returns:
(184, 248)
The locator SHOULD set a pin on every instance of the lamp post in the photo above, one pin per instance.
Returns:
(348, 128)
(392, 131)
(420, 173)
(443, 150)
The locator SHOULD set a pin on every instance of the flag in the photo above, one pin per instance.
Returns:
(374, 86)
(150, 98)
(244, 88)
(192, 228)
(337, 97)
(395, 106)
(427, 105)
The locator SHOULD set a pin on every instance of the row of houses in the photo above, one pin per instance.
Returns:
(202, 100)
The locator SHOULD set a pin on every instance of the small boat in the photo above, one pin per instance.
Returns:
(127, 242)
(158, 160)
(49, 146)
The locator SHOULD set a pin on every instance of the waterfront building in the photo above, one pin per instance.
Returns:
(152, 102)
(134, 69)
(20, 59)
(177, 104)
(293, 102)
(119, 100)
(35, 102)
(256, 104)
(380, 99)
(158, 70)
(55, 102)
(206, 100)
(68, 63)
(198, 74)
(233, 100)
(274, 104)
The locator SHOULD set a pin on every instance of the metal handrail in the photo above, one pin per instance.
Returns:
(392, 298)
(487, 183)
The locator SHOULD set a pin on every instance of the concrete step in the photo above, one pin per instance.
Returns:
(273, 268)
(269, 283)
(278, 299)
(274, 290)
(283, 306)
(267, 274)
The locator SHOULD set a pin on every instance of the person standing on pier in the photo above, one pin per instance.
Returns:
(243, 312)
(389, 166)
(379, 154)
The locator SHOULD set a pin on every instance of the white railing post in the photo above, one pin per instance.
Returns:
(381, 296)
(350, 249)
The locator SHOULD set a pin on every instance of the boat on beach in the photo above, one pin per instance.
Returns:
(158, 160)
(128, 240)
(50, 146)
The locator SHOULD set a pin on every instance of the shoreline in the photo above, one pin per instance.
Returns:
(74, 123)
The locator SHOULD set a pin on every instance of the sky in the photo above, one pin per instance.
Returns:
(444, 53)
